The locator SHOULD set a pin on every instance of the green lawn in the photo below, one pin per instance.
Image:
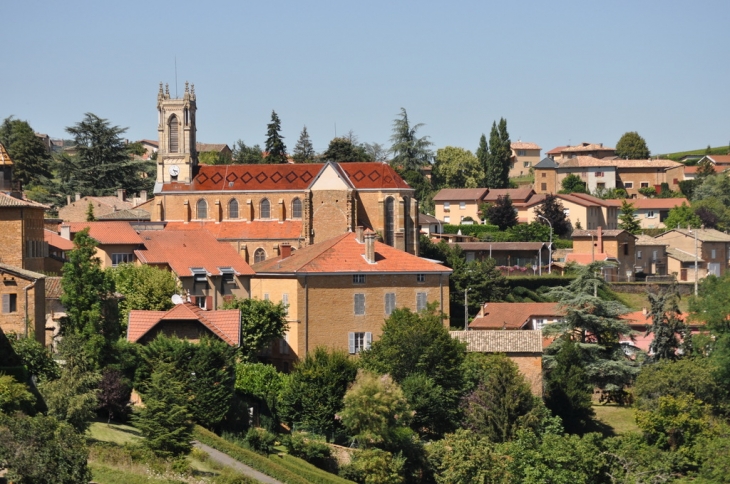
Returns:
(115, 433)
(639, 301)
(619, 419)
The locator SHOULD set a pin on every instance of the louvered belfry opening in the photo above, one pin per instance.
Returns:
(174, 135)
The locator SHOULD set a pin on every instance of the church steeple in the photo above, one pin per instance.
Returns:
(176, 156)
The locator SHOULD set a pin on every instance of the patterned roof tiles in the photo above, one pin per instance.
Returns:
(4, 156)
(10, 201)
(527, 341)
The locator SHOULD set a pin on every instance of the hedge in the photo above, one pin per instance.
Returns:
(535, 282)
(307, 470)
(252, 459)
(476, 230)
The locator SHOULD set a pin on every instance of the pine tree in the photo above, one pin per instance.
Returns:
(500, 156)
(32, 162)
(666, 326)
(502, 213)
(247, 155)
(304, 150)
(275, 141)
(553, 210)
(409, 151)
(165, 421)
(483, 157)
(627, 218)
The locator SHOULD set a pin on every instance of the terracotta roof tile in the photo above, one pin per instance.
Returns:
(9, 201)
(704, 235)
(55, 240)
(516, 194)
(527, 341)
(586, 147)
(226, 324)
(556, 151)
(113, 232)
(235, 230)
(681, 255)
(53, 288)
(524, 145)
(594, 233)
(589, 161)
(298, 177)
(469, 194)
(658, 203)
(512, 315)
(204, 147)
(648, 240)
(344, 254)
(486, 246)
(186, 249)
(24, 273)
(126, 214)
(720, 159)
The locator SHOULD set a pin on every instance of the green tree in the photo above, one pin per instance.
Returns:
(573, 184)
(675, 422)
(627, 218)
(260, 384)
(465, 456)
(342, 150)
(42, 450)
(422, 187)
(165, 419)
(500, 156)
(482, 281)
(275, 148)
(553, 210)
(456, 168)
(567, 389)
(374, 407)
(682, 216)
(304, 150)
(632, 146)
(532, 232)
(418, 344)
(261, 322)
(143, 287)
(483, 158)
(14, 396)
(667, 326)
(375, 466)
(114, 394)
(596, 325)
(502, 213)
(501, 403)
(32, 162)
(409, 151)
(247, 155)
(87, 293)
(314, 392)
(103, 163)
(694, 376)
(90, 213)
(36, 358)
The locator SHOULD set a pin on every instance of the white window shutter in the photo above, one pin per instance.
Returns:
(351, 337)
(368, 340)
(6, 303)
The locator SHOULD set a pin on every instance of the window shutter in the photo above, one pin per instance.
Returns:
(420, 301)
(368, 340)
(389, 303)
(209, 303)
(359, 303)
(351, 340)
(6, 303)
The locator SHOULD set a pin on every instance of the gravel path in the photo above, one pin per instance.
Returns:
(229, 461)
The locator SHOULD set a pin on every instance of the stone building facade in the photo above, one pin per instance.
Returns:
(22, 242)
(23, 303)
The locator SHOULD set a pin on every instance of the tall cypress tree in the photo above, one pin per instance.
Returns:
(304, 150)
(493, 171)
(483, 157)
(505, 153)
(275, 141)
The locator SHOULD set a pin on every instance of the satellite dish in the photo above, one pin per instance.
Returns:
(177, 299)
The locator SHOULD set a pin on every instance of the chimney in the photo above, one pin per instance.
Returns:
(78, 196)
(142, 196)
(120, 194)
(285, 250)
(644, 311)
(370, 246)
(68, 200)
(600, 239)
(358, 234)
(66, 231)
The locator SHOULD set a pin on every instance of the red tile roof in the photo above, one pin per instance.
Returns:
(344, 254)
(512, 315)
(55, 240)
(108, 232)
(524, 145)
(658, 203)
(586, 147)
(720, 159)
(226, 324)
(183, 250)
(235, 230)
(468, 194)
(267, 177)
(515, 194)
(556, 151)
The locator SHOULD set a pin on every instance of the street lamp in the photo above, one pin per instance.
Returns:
(550, 247)
(466, 310)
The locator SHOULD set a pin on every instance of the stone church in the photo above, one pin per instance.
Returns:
(257, 208)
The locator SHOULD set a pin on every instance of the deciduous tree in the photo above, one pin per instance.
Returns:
(682, 216)
(632, 146)
(144, 287)
(275, 148)
(502, 213)
(247, 155)
(114, 394)
(261, 322)
(573, 184)
(552, 209)
(456, 168)
(342, 150)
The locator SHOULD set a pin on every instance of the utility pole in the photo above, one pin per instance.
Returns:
(466, 310)
(696, 263)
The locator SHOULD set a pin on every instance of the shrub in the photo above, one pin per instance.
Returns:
(260, 440)
(312, 451)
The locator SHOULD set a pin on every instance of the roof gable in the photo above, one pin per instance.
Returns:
(330, 178)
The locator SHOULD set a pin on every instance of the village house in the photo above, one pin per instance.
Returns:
(709, 247)
(453, 205)
(210, 272)
(117, 241)
(582, 210)
(102, 207)
(652, 212)
(524, 156)
(615, 246)
(650, 256)
(340, 291)
(512, 254)
(595, 150)
(516, 316)
(186, 321)
(22, 295)
(312, 202)
(58, 249)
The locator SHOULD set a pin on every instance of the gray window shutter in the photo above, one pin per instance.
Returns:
(368, 340)
(420, 301)
(359, 304)
(389, 303)
(351, 338)
(6, 303)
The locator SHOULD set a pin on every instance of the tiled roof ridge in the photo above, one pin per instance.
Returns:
(208, 323)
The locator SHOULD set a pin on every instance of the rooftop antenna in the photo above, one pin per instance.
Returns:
(335, 130)
(175, 76)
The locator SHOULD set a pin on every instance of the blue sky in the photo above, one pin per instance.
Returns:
(560, 72)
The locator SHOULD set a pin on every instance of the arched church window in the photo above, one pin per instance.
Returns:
(389, 220)
(296, 208)
(265, 209)
(202, 208)
(259, 255)
(174, 135)
(233, 209)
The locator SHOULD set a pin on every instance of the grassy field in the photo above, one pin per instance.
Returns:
(617, 418)
(114, 433)
(721, 150)
(639, 301)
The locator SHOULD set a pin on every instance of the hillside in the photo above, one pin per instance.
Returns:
(720, 150)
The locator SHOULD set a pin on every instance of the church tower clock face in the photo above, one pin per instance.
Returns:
(174, 170)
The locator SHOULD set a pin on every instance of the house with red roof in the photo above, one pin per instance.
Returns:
(524, 156)
(210, 272)
(582, 210)
(341, 290)
(117, 240)
(185, 321)
(615, 246)
(652, 212)
(516, 316)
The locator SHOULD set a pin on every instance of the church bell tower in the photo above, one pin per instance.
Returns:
(176, 155)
